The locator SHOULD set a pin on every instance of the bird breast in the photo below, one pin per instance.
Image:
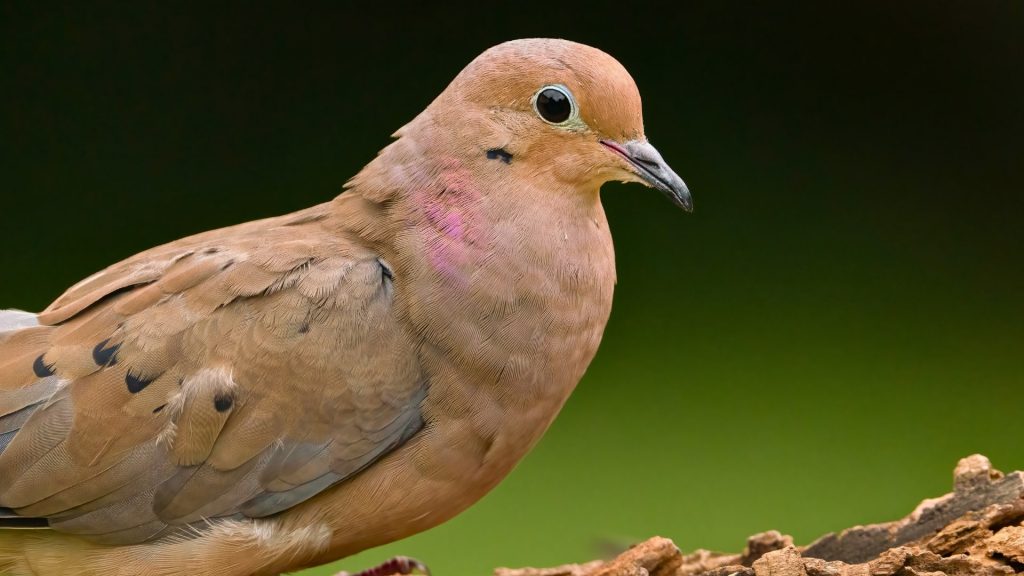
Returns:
(511, 305)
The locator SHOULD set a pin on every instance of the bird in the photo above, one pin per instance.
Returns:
(290, 391)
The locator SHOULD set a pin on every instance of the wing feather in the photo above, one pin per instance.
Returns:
(237, 372)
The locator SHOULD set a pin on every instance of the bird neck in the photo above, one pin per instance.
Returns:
(453, 214)
(483, 248)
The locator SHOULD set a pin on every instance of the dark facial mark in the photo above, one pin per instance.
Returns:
(103, 355)
(227, 265)
(304, 328)
(499, 154)
(223, 402)
(135, 383)
(41, 368)
(159, 408)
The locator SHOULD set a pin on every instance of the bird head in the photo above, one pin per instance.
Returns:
(558, 107)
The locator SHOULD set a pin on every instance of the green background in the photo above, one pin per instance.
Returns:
(838, 322)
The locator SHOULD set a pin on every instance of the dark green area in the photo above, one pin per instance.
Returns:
(815, 347)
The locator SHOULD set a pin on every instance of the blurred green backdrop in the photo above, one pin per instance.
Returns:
(815, 347)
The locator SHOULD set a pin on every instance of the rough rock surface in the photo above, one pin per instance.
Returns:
(978, 529)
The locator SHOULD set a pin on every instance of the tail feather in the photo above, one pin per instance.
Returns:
(12, 321)
(9, 519)
(30, 386)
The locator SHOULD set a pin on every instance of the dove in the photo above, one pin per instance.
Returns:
(287, 392)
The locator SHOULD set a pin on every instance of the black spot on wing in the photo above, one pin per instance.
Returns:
(104, 355)
(135, 383)
(499, 154)
(41, 368)
(223, 402)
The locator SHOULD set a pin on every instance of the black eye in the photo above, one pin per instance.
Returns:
(554, 105)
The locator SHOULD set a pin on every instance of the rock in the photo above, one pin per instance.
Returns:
(785, 562)
(976, 530)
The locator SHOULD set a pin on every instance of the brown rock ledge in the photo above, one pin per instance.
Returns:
(978, 529)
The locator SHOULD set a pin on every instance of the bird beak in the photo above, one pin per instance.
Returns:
(648, 164)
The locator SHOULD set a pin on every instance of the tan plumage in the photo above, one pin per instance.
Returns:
(289, 391)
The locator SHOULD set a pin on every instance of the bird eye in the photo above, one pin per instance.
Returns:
(554, 104)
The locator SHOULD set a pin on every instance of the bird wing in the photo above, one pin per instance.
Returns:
(231, 374)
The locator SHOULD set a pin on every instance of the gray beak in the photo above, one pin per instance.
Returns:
(649, 165)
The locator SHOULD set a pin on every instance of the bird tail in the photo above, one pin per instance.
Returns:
(26, 380)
